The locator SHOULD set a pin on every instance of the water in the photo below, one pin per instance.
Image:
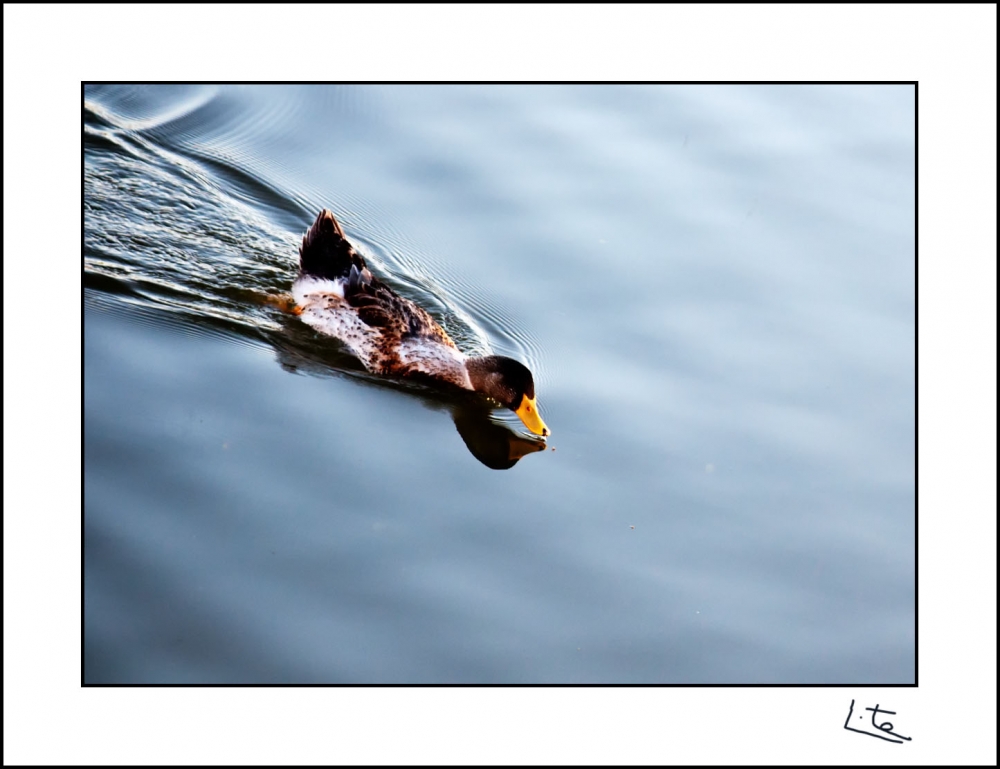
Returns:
(714, 287)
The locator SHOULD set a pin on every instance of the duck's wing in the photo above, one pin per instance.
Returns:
(326, 254)
(381, 307)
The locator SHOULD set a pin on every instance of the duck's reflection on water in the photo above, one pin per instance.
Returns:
(495, 445)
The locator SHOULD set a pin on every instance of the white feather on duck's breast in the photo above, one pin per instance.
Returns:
(435, 360)
(337, 295)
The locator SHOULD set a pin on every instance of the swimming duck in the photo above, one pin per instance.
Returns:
(337, 294)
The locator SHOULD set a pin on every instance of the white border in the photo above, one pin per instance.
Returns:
(48, 50)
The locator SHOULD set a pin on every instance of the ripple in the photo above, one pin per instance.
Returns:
(144, 109)
(180, 214)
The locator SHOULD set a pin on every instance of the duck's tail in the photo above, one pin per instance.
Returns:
(325, 252)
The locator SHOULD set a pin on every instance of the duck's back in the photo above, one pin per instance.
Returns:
(339, 296)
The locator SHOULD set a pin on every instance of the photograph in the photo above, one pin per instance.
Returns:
(499, 384)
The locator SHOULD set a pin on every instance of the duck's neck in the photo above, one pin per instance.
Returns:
(484, 373)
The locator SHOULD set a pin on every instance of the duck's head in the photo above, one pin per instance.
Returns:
(510, 384)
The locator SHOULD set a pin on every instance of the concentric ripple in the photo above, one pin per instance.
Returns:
(182, 215)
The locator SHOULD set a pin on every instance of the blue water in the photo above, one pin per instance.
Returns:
(713, 285)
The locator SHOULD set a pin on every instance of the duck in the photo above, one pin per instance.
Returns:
(336, 294)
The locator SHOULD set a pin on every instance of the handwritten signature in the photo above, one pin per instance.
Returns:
(884, 728)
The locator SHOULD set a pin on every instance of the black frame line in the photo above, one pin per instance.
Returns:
(916, 392)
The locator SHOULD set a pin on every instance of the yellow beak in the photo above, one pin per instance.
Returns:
(528, 412)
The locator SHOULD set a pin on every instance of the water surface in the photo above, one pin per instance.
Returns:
(714, 287)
